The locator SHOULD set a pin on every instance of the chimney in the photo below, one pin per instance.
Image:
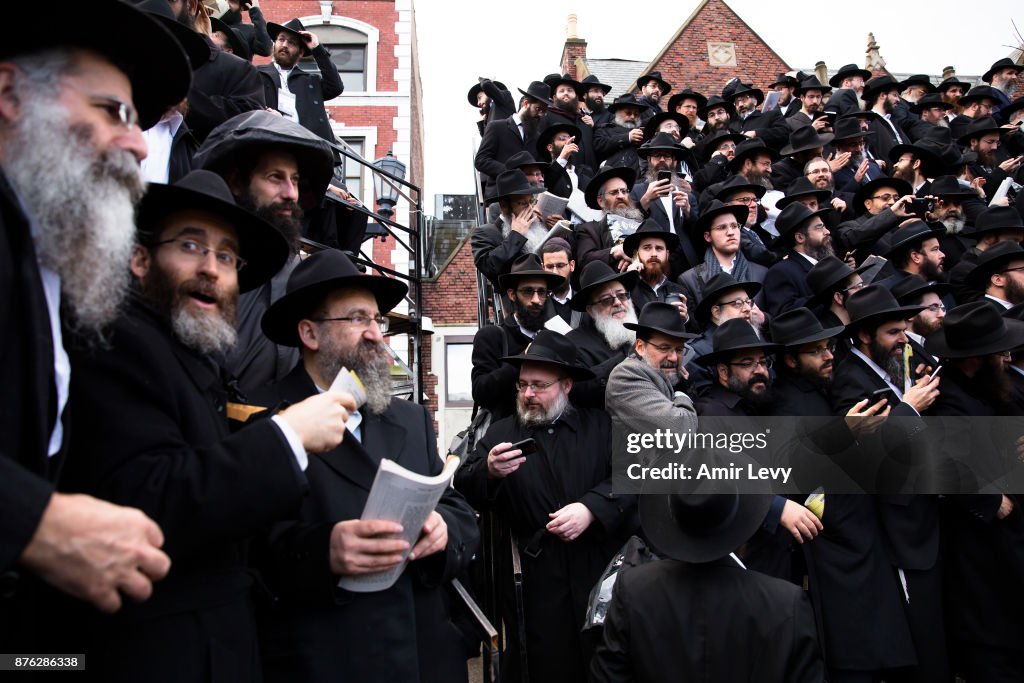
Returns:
(570, 29)
(574, 52)
(821, 72)
(948, 72)
(874, 61)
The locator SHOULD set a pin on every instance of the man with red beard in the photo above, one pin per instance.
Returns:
(651, 249)
(278, 170)
(154, 433)
(809, 241)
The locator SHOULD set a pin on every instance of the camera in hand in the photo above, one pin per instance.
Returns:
(664, 175)
(920, 206)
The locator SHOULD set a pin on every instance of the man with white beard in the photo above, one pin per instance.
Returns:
(602, 240)
(519, 228)
(152, 431)
(617, 141)
(71, 109)
(602, 340)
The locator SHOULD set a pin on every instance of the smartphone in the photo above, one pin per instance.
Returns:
(932, 376)
(877, 394)
(527, 446)
(664, 175)
(919, 207)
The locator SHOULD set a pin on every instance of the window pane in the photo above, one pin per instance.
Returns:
(458, 385)
(353, 169)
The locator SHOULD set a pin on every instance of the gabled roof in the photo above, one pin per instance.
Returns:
(621, 74)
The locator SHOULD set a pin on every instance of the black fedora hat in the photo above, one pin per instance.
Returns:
(552, 348)
(736, 88)
(702, 527)
(478, 88)
(952, 82)
(261, 245)
(786, 80)
(906, 235)
(928, 101)
(715, 209)
(947, 187)
(528, 265)
(663, 142)
(847, 71)
(713, 289)
(239, 45)
(979, 127)
(917, 79)
(803, 187)
(146, 49)
(627, 100)
(975, 329)
(706, 145)
(539, 92)
(927, 155)
(794, 216)
(666, 87)
(995, 219)
(909, 289)
(290, 28)
(196, 48)
(735, 335)
(798, 326)
(875, 304)
(1015, 106)
(594, 186)
(595, 275)
(999, 65)
(805, 138)
(811, 83)
(951, 158)
(848, 128)
(551, 131)
(876, 85)
(734, 185)
(555, 80)
(659, 316)
(651, 127)
(714, 102)
(314, 278)
(826, 275)
(522, 159)
(991, 260)
(253, 133)
(593, 81)
(978, 92)
(750, 149)
(512, 183)
(902, 187)
(686, 94)
(649, 228)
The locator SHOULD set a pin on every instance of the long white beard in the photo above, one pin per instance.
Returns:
(205, 334)
(535, 234)
(81, 203)
(614, 332)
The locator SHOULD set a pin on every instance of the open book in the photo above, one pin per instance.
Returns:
(399, 495)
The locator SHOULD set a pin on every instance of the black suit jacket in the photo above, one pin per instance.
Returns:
(586, 156)
(311, 91)
(494, 381)
(320, 632)
(501, 140)
(221, 88)
(785, 285)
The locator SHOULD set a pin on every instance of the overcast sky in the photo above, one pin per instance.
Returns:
(519, 42)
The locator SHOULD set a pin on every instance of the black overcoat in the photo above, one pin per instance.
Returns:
(311, 91)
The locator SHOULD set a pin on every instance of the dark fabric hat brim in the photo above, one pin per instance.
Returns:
(703, 310)
(637, 327)
(535, 98)
(938, 345)
(824, 198)
(826, 293)
(581, 299)
(263, 247)
(740, 211)
(878, 317)
(594, 186)
(826, 333)
(274, 29)
(823, 138)
(837, 80)
(576, 372)
(868, 188)
(979, 275)
(713, 357)
(632, 242)
(511, 280)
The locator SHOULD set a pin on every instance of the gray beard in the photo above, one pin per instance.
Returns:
(535, 234)
(953, 225)
(369, 360)
(820, 251)
(632, 213)
(613, 331)
(534, 418)
(628, 125)
(82, 204)
(205, 334)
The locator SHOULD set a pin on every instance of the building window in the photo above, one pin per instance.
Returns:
(353, 169)
(458, 364)
(348, 48)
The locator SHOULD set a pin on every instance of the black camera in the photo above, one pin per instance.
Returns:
(919, 207)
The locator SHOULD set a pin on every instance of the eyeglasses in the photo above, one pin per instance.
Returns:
(536, 387)
(360, 321)
(530, 292)
(749, 201)
(661, 155)
(668, 348)
(936, 308)
(606, 301)
(737, 303)
(855, 287)
(621, 192)
(227, 260)
(1010, 270)
(119, 111)
(750, 363)
(819, 351)
(886, 197)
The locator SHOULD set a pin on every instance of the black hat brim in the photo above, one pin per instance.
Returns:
(274, 29)
(676, 334)
(824, 334)
(740, 211)
(627, 173)
(510, 280)
(632, 242)
(577, 372)
(703, 310)
(878, 317)
(823, 138)
(581, 299)
(938, 345)
(709, 359)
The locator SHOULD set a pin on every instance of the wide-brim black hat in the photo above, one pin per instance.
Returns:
(593, 81)
(262, 246)
(979, 127)
(902, 187)
(649, 228)
(910, 288)
(1007, 111)
(913, 231)
(798, 326)
(521, 159)
(555, 80)
(794, 215)
(846, 71)
(951, 82)
(991, 260)
(666, 87)
(735, 335)
(848, 128)
(702, 527)
(659, 316)
(551, 348)
(917, 79)
(705, 147)
(686, 94)
(235, 39)
(714, 102)
(786, 80)
(291, 28)
(539, 92)
(550, 132)
(975, 329)
(925, 154)
(512, 183)
(627, 100)
(811, 83)
(715, 209)
(529, 266)
(312, 280)
(751, 149)
(478, 88)
(948, 187)
(733, 185)
(257, 132)
(663, 142)
(737, 88)
(594, 186)
(714, 287)
(196, 47)
(999, 65)
(803, 187)
(978, 92)
(995, 219)
(651, 127)
(875, 304)
(146, 50)
(826, 274)
(876, 85)
(595, 275)
(805, 138)
(928, 101)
